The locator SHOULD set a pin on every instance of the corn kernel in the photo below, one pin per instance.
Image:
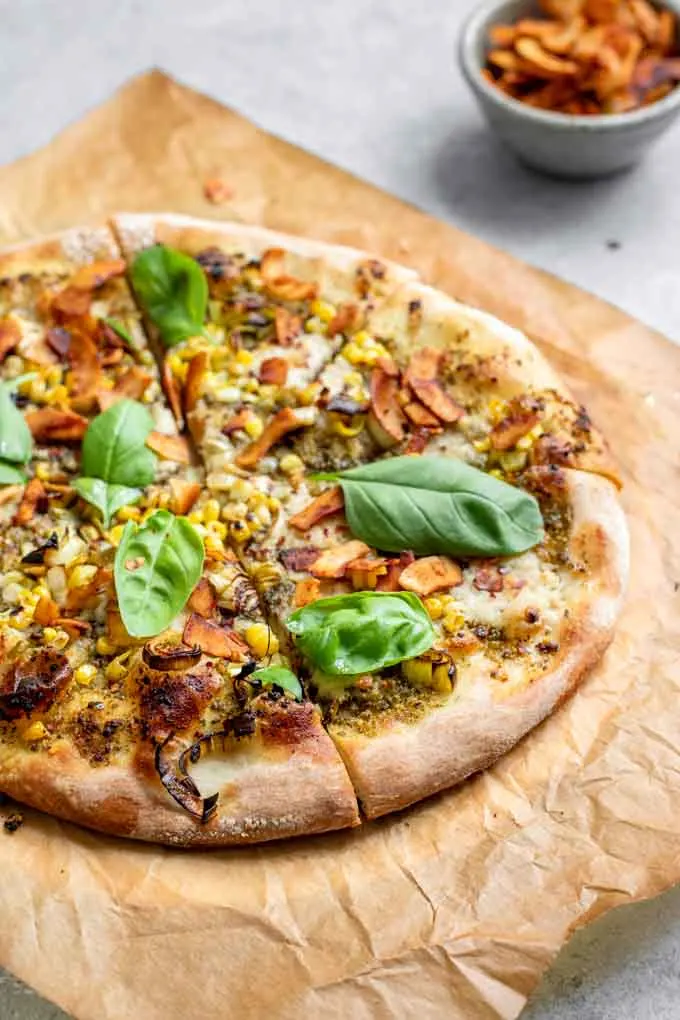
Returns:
(341, 428)
(528, 440)
(290, 463)
(314, 325)
(244, 357)
(59, 638)
(195, 517)
(239, 531)
(495, 473)
(308, 395)
(353, 378)
(241, 489)
(361, 337)
(42, 471)
(323, 310)
(218, 530)
(115, 534)
(36, 731)
(129, 513)
(37, 390)
(104, 646)
(352, 352)
(117, 668)
(497, 409)
(56, 395)
(85, 674)
(211, 511)
(254, 427)
(482, 445)
(53, 375)
(514, 460)
(261, 640)
(453, 621)
(49, 634)
(434, 608)
(81, 575)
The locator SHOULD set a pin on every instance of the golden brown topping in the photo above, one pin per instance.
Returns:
(46, 611)
(273, 372)
(193, 386)
(395, 567)
(385, 406)
(50, 425)
(33, 501)
(505, 433)
(333, 562)
(184, 495)
(346, 320)
(214, 639)
(10, 335)
(217, 191)
(280, 284)
(239, 421)
(170, 447)
(33, 683)
(132, 385)
(592, 57)
(203, 599)
(173, 393)
(286, 420)
(84, 595)
(420, 416)
(417, 441)
(71, 303)
(95, 274)
(306, 591)
(430, 574)
(329, 502)
(421, 376)
(286, 326)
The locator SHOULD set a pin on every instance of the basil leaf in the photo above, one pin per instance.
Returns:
(362, 632)
(280, 676)
(438, 505)
(10, 475)
(157, 566)
(16, 441)
(107, 498)
(125, 335)
(114, 446)
(173, 291)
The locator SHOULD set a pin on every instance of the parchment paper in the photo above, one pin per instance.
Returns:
(455, 907)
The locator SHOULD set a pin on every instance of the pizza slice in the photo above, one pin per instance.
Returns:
(429, 665)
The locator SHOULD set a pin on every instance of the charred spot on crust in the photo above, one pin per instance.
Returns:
(283, 721)
(95, 737)
(170, 703)
(33, 684)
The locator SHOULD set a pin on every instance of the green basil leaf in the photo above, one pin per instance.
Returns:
(16, 441)
(119, 329)
(358, 633)
(173, 290)
(438, 505)
(10, 475)
(107, 498)
(114, 446)
(157, 567)
(280, 676)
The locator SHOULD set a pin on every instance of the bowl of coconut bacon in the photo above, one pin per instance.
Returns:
(576, 88)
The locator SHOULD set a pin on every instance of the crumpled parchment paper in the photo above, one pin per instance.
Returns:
(455, 907)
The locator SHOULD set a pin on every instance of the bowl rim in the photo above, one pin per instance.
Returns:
(471, 68)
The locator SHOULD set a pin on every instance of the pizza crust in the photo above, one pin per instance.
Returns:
(399, 767)
(60, 253)
(265, 794)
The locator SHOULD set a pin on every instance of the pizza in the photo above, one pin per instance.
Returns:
(289, 539)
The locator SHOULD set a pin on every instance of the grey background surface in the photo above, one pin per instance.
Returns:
(372, 86)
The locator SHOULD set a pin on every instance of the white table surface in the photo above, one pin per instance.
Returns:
(372, 86)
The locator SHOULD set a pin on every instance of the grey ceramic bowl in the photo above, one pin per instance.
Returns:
(559, 144)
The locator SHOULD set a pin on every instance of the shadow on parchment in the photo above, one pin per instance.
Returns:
(480, 182)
